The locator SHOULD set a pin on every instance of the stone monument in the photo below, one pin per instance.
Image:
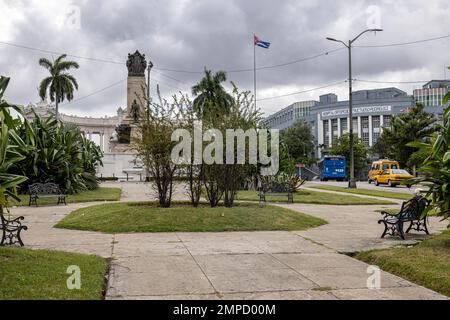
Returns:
(127, 129)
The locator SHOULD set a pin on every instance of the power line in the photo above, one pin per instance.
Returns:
(390, 82)
(229, 71)
(94, 93)
(325, 53)
(171, 78)
(304, 91)
(403, 43)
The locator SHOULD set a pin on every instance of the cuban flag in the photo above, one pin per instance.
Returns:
(260, 43)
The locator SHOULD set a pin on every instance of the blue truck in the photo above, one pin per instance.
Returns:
(333, 168)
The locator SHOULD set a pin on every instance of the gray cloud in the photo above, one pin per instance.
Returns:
(191, 35)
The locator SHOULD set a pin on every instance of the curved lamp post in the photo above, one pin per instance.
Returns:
(351, 182)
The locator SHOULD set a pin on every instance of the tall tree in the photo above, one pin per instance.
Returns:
(299, 142)
(341, 148)
(415, 125)
(211, 100)
(60, 85)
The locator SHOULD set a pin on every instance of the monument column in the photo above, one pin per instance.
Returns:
(136, 87)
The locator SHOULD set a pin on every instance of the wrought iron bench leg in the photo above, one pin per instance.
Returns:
(385, 228)
(400, 230)
(3, 238)
(410, 227)
(425, 226)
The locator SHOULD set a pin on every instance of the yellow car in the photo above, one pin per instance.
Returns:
(388, 172)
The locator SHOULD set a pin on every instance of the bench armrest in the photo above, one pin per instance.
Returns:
(388, 214)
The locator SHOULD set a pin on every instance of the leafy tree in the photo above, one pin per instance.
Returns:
(211, 100)
(436, 166)
(299, 142)
(60, 85)
(415, 125)
(154, 145)
(341, 148)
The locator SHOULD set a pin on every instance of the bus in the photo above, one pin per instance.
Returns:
(333, 168)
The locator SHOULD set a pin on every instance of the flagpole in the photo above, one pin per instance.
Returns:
(254, 67)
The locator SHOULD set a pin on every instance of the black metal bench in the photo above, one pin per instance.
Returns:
(11, 230)
(46, 190)
(411, 212)
(276, 189)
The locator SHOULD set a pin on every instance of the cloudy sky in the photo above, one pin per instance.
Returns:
(188, 35)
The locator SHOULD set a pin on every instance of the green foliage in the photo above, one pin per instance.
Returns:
(293, 180)
(220, 110)
(341, 148)
(299, 142)
(60, 85)
(211, 100)
(11, 147)
(59, 153)
(154, 145)
(436, 167)
(407, 127)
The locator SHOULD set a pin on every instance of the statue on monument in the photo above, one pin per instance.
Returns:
(135, 111)
(136, 64)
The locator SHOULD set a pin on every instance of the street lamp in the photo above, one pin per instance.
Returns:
(149, 68)
(351, 182)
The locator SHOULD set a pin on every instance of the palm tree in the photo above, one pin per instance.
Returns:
(212, 100)
(60, 84)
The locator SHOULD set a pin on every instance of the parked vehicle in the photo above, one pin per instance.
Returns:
(333, 168)
(388, 172)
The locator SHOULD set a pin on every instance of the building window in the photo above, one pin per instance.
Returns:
(376, 130)
(326, 133)
(387, 121)
(334, 128)
(344, 127)
(355, 125)
(365, 131)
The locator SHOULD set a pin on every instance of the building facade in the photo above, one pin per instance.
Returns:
(432, 94)
(286, 117)
(372, 111)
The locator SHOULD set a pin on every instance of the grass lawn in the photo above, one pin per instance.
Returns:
(307, 196)
(100, 194)
(147, 217)
(41, 275)
(427, 264)
(367, 192)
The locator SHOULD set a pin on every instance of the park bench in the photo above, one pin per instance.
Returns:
(46, 190)
(11, 229)
(412, 212)
(276, 189)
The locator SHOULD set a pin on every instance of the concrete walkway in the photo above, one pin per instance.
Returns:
(237, 265)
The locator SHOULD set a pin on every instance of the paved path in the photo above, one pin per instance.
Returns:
(238, 265)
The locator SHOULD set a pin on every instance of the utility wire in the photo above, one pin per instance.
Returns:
(170, 69)
(304, 91)
(391, 82)
(94, 93)
(262, 67)
(403, 43)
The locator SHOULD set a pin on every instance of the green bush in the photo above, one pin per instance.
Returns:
(58, 153)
